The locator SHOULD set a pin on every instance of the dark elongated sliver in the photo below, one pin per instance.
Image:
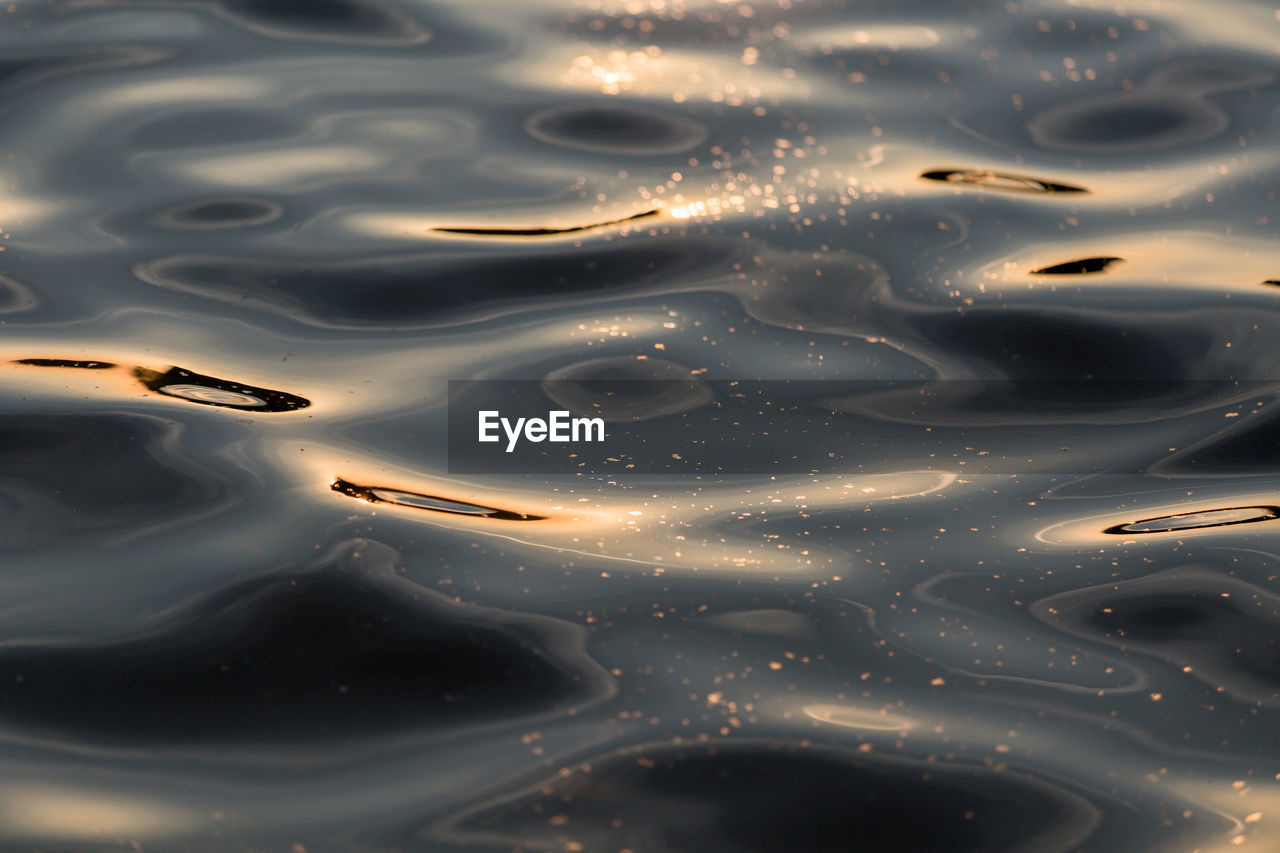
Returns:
(999, 181)
(1197, 520)
(431, 503)
(65, 362)
(543, 232)
(1083, 266)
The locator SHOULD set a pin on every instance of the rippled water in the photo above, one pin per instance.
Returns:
(247, 244)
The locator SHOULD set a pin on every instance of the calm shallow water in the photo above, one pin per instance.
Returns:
(245, 605)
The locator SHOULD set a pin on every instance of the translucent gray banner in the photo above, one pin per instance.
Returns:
(628, 426)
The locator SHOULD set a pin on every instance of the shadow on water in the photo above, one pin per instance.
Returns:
(66, 477)
(775, 797)
(335, 650)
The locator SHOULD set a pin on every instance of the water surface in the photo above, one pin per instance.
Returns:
(244, 604)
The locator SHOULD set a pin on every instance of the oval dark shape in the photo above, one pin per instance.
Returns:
(614, 129)
(1162, 618)
(309, 12)
(1136, 122)
(432, 503)
(999, 181)
(1083, 266)
(211, 391)
(326, 20)
(1198, 520)
(221, 213)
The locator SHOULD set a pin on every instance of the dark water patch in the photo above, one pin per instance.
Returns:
(797, 293)
(1214, 627)
(432, 503)
(65, 362)
(794, 626)
(1136, 122)
(60, 474)
(1197, 520)
(1029, 402)
(208, 128)
(962, 621)
(1251, 446)
(220, 213)
(625, 389)
(354, 21)
(542, 232)
(14, 297)
(21, 69)
(616, 129)
(1083, 266)
(414, 290)
(1001, 181)
(342, 649)
(1082, 31)
(1031, 345)
(779, 798)
(212, 391)
(1208, 77)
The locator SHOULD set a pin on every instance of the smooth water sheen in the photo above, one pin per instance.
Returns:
(247, 243)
